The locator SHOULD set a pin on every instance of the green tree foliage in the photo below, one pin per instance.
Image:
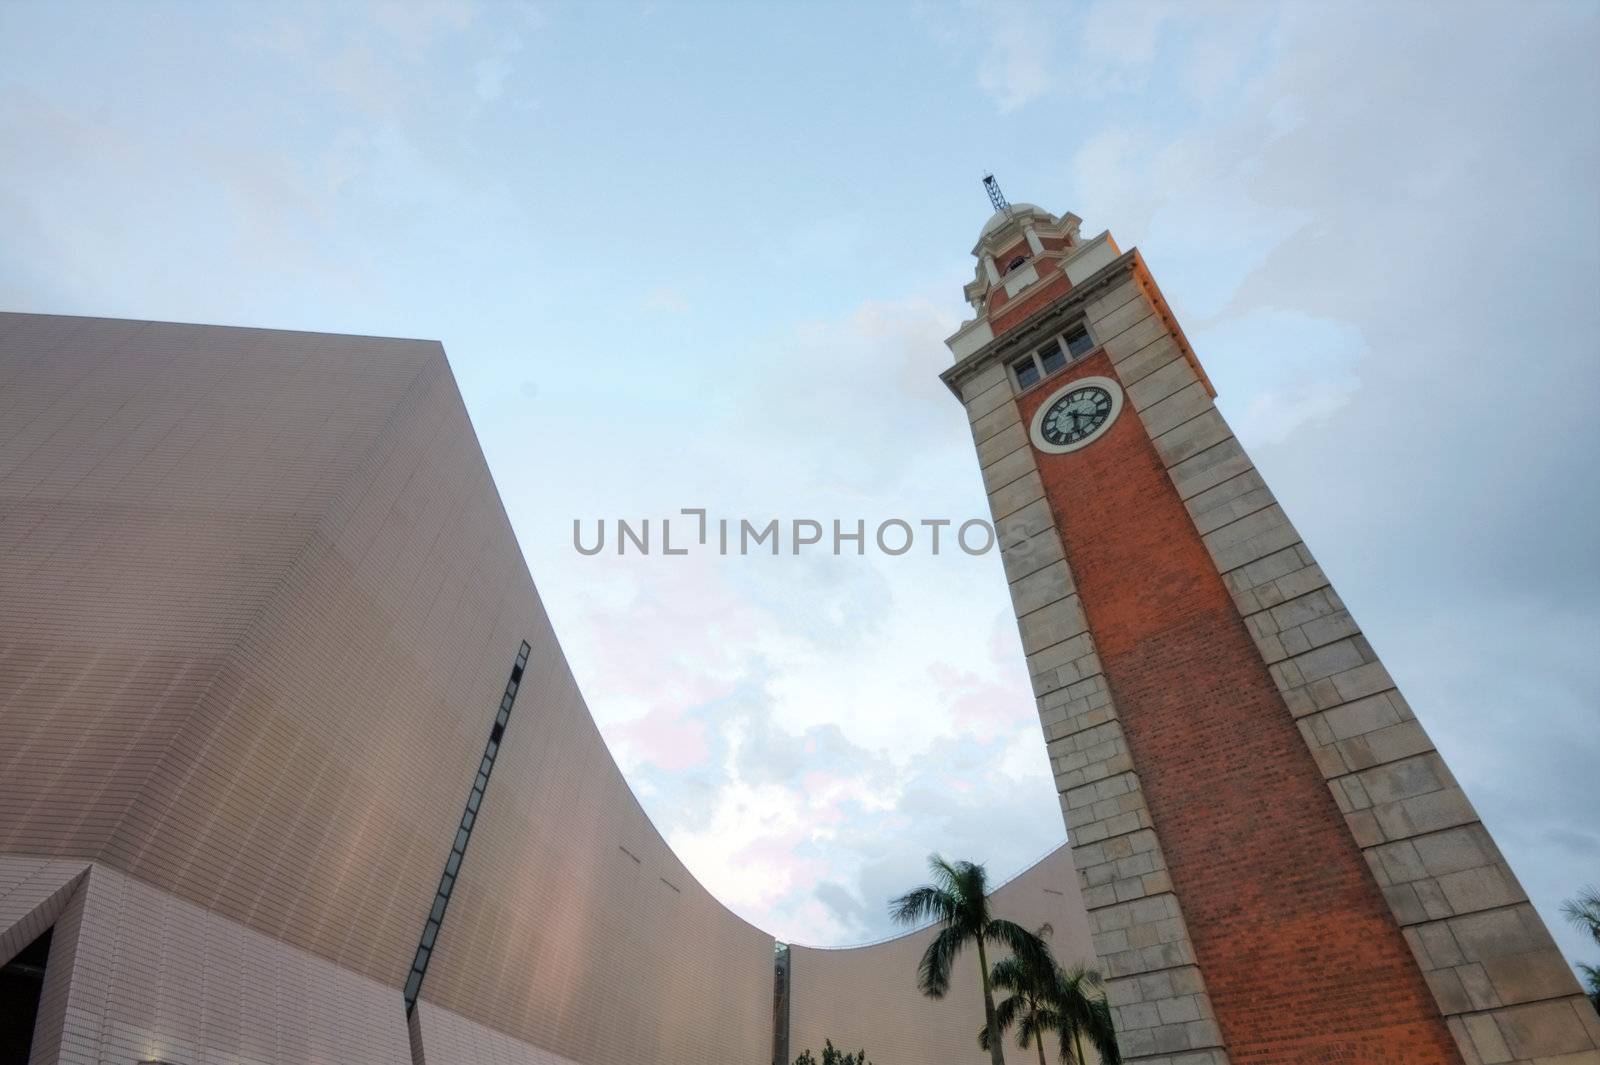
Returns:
(1046, 998)
(1584, 913)
(958, 899)
(1085, 1015)
(1591, 984)
(830, 1056)
(1031, 1007)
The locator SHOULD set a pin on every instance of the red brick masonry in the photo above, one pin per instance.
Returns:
(1301, 956)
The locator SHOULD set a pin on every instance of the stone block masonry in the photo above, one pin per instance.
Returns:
(1158, 996)
(1297, 948)
(1278, 865)
(1509, 996)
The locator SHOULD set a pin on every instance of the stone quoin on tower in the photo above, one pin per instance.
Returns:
(1277, 863)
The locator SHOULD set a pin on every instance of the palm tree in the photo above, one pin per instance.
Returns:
(1031, 1005)
(1047, 998)
(1084, 1012)
(1584, 911)
(1591, 982)
(958, 899)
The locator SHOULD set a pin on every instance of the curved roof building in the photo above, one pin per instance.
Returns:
(292, 768)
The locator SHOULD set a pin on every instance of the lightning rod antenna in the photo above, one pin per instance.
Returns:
(996, 197)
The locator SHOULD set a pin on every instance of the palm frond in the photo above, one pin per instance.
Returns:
(1006, 1013)
(933, 974)
(1082, 1009)
(1081, 980)
(1025, 1010)
(1068, 1030)
(923, 904)
(974, 880)
(1009, 974)
(1024, 945)
(1102, 1032)
(1591, 984)
(945, 875)
(1583, 911)
(1031, 1027)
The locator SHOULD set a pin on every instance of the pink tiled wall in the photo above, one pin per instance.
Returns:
(258, 601)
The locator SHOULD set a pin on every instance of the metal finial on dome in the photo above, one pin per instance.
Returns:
(996, 197)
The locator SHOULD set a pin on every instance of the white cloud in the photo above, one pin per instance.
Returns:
(792, 722)
(1361, 223)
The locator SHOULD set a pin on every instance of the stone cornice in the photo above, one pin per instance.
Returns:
(1043, 323)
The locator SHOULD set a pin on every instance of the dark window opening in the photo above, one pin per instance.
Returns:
(780, 1004)
(1079, 342)
(21, 984)
(1014, 263)
(1051, 358)
(458, 849)
(1027, 372)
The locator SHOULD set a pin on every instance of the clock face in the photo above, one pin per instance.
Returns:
(1076, 414)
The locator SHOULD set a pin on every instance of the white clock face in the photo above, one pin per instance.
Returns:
(1076, 414)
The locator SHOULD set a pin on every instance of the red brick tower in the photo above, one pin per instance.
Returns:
(1278, 865)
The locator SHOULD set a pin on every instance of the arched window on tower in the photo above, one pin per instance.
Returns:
(1014, 263)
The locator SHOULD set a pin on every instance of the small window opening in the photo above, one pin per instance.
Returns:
(1051, 358)
(1027, 372)
(469, 816)
(1014, 263)
(1079, 341)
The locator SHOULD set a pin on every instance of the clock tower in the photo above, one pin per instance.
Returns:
(1277, 863)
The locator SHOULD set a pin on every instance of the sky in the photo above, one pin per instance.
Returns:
(705, 255)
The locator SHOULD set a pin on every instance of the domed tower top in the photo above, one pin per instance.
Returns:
(1027, 258)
